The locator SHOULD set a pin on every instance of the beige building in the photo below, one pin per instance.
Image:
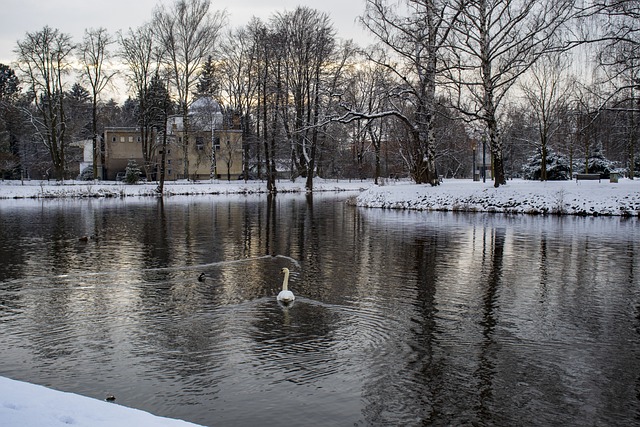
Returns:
(124, 144)
(121, 144)
(214, 148)
(228, 155)
(197, 149)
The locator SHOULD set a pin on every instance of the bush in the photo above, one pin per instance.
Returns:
(558, 167)
(132, 172)
(598, 163)
(86, 174)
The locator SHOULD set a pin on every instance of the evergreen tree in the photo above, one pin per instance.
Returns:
(78, 106)
(558, 167)
(207, 85)
(132, 172)
(154, 107)
(9, 83)
(10, 123)
(598, 163)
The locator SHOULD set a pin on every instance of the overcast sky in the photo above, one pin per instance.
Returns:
(18, 17)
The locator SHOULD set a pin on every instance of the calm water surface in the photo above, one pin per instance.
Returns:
(401, 318)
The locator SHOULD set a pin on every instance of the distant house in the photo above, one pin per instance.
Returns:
(197, 148)
(121, 144)
(228, 156)
(214, 147)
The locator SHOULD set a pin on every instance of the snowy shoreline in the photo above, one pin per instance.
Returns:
(517, 197)
(28, 405)
(36, 189)
(461, 195)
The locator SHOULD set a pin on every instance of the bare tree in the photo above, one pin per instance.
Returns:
(238, 81)
(499, 40)
(268, 48)
(548, 89)
(143, 58)
(44, 58)
(586, 110)
(618, 60)
(309, 50)
(415, 32)
(94, 57)
(368, 90)
(188, 32)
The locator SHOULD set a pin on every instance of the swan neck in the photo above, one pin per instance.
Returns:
(285, 282)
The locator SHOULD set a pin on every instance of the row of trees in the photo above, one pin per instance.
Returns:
(444, 76)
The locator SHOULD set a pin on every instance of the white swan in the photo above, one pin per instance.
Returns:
(285, 295)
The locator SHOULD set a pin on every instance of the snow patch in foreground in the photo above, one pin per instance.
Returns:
(28, 405)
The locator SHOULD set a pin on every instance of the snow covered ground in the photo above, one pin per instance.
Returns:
(51, 189)
(518, 196)
(28, 405)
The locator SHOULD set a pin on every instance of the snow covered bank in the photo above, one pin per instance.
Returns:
(28, 405)
(52, 189)
(518, 196)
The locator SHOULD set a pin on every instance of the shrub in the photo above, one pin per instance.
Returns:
(558, 167)
(598, 163)
(86, 174)
(132, 172)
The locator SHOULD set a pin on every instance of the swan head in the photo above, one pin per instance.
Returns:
(284, 270)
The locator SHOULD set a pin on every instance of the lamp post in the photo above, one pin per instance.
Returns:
(484, 159)
(473, 168)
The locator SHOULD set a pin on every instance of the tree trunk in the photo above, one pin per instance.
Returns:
(163, 156)
(94, 129)
(185, 139)
(543, 162)
(497, 161)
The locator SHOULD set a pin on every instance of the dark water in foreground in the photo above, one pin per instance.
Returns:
(401, 318)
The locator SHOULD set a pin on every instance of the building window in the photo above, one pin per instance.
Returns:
(113, 139)
(130, 139)
(139, 139)
(122, 139)
(199, 143)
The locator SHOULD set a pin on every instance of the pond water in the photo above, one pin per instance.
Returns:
(400, 318)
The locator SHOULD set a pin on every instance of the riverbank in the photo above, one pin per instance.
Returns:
(35, 189)
(517, 197)
(29, 405)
